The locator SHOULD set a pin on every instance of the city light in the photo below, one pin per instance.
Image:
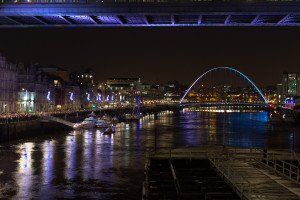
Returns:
(26, 96)
(48, 95)
(71, 96)
(224, 111)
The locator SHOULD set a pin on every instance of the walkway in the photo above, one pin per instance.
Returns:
(244, 170)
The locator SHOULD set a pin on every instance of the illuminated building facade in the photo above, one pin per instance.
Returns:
(72, 97)
(289, 88)
(173, 91)
(8, 86)
(35, 91)
(290, 84)
(123, 89)
(88, 88)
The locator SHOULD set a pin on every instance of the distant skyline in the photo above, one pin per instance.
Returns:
(159, 53)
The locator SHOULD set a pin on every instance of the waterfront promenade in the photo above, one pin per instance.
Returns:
(27, 116)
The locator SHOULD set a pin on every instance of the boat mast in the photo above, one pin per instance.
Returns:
(138, 109)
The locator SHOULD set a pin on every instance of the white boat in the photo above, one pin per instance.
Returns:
(89, 122)
(131, 117)
(101, 123)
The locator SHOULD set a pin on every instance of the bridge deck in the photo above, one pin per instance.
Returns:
(190, 14)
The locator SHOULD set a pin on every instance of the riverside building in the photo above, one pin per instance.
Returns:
(8, 86)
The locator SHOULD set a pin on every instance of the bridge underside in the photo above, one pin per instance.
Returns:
(43, 15)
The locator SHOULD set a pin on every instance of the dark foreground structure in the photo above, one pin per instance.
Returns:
(43, 13)
(197, 180)
(217, 172)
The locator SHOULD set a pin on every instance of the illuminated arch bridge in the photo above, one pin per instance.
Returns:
(220, 103)
(43, 13)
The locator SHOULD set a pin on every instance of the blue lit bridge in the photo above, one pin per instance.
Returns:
(262, 102)
(43, 13)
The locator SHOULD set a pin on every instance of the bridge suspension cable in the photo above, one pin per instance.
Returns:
(266, 101)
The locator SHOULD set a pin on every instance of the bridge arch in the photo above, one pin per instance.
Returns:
(266, 101)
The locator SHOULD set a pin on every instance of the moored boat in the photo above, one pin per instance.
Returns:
(101, 123)
(89, 122)
(109, 131)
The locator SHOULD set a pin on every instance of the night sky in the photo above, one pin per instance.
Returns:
(159, 53)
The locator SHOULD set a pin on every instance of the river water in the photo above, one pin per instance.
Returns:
(88, 165)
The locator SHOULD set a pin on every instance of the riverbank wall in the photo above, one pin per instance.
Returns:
(26, 129)
(17, 130)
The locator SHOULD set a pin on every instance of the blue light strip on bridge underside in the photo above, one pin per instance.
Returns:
(266, 101)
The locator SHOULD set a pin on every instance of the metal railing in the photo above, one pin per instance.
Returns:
(243, 188)
(176, 183)
(284, 168)
(250, 153)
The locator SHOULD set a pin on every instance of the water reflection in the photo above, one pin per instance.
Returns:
(24, 172)
(87, 164)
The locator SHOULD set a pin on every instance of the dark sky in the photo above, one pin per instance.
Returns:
(159, 53)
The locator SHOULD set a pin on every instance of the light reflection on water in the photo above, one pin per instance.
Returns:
(24, 172)
(86, 164)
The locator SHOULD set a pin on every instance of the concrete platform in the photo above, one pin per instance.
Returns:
(217, 172)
